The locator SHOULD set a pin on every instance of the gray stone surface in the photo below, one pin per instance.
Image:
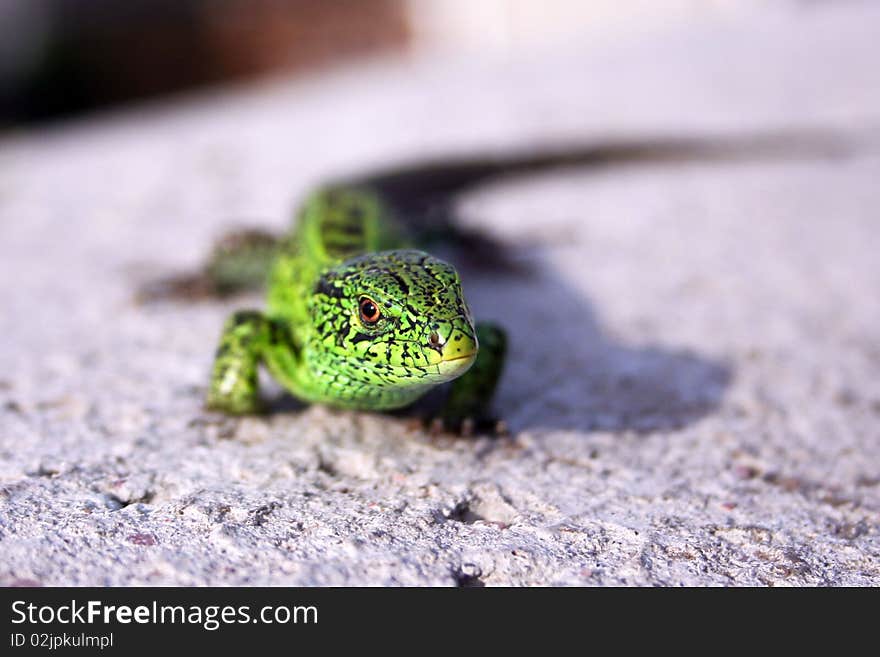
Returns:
(693, 392)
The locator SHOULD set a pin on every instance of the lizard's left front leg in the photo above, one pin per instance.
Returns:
(234, 387)
(471, 394)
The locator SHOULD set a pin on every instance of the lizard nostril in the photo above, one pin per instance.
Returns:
(434, 339)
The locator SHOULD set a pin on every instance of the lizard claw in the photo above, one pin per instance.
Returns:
(466, 427)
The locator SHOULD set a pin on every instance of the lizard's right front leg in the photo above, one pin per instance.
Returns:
(234, 386)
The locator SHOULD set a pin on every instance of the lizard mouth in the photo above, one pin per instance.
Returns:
(456, 365)
(457, 357)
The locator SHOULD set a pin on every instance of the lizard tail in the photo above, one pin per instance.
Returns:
(412, 187)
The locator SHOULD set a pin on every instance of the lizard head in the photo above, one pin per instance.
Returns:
(393, 319)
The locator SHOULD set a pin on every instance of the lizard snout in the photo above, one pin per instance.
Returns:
(451, 341)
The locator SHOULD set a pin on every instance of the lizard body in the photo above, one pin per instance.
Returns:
(357, 318)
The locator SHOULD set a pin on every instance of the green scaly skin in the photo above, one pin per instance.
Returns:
(347, 249)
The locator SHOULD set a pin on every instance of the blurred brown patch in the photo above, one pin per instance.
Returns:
(99, 52)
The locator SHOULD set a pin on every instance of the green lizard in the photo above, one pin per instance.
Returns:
(357, 318)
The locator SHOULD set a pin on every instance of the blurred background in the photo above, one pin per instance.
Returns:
(60, 58)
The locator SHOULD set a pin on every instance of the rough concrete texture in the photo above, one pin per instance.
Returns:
(693, 392)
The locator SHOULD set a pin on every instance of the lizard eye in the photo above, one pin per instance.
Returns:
(369, 311)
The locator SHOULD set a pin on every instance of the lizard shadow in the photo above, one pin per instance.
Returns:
(569, 374)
